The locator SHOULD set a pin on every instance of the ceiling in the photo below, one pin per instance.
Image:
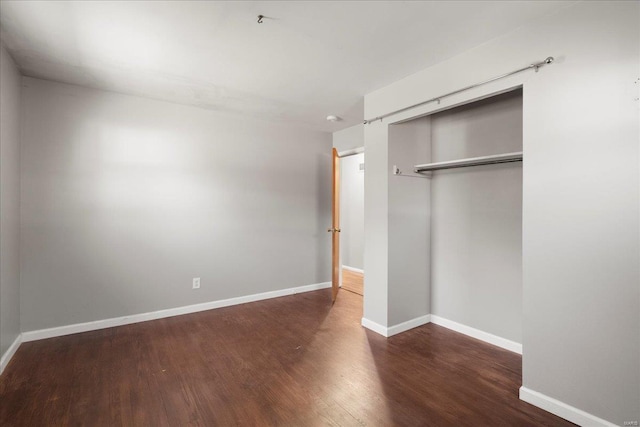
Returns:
(305, 61)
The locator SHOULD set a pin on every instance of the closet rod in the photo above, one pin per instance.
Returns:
(473, 161)
(535, 66)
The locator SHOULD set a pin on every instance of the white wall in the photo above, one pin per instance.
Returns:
(125, 200)
(9, 201)
(476, 218)
(349, 138)
(352, 211)
(581, 207)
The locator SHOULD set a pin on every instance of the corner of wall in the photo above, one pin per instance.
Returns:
(10, 125)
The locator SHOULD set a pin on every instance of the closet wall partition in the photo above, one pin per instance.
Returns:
(409, 224)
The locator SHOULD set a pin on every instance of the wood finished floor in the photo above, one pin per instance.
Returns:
(353, 281)
(291, 361)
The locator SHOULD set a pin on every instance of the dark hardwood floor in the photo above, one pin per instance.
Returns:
(291, 361)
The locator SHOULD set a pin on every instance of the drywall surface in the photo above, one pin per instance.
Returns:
(352, 211)
(375, 303)
(126, 199)
(9, 201)
(581, 284)
(409, 227)
(476, 218)
(349, 138)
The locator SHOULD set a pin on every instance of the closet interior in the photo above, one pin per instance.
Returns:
(456, 192)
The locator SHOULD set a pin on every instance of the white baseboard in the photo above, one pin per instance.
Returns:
(375, 327)
(6, 357)
(409, 324)
(546, 403)
(357, 270)
(160, 314)
(395, 329)
(561, 409)
(449, 324)
(478, 334)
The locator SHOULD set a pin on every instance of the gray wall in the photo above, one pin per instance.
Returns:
(375, 304)
(581, 212)
(581, 196)
(409, 227)
(476, 218)
(126, 199)
(352, 211)
(9, 201)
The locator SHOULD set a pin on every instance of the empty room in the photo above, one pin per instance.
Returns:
(309, 213)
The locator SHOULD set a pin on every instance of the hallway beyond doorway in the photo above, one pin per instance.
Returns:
(353, 281)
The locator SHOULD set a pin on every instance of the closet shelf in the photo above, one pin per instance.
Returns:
(473, 161)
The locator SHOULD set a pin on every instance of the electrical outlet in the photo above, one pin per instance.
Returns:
(196, 283)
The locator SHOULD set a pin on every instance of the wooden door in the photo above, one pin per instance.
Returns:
(335, 228)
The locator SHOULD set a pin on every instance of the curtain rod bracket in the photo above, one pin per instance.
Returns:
(547, 61)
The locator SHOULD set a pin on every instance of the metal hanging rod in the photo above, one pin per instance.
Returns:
(473, 161)
(535, 66)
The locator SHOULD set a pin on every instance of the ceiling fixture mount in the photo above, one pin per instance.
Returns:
(260, 19)
(332, 118)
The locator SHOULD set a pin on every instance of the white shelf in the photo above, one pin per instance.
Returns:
(473, 161)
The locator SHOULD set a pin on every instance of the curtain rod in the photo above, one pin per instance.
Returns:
(535, 66)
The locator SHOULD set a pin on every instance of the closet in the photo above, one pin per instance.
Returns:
(467, 212)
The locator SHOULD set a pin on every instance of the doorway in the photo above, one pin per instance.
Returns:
(352, 220)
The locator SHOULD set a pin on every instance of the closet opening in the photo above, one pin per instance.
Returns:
(455, 230)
